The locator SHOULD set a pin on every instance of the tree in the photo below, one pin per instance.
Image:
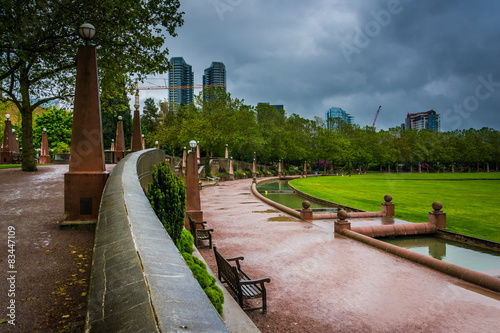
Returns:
(58, 123)
(150, 117)
(39, 41)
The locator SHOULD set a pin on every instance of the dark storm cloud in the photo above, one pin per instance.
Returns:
(408, 56)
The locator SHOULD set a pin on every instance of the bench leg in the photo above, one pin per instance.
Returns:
(209, 240)
(264, 303)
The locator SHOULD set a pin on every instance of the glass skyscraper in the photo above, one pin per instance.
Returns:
(215, 75)
(181, 74)
(335, 117)
(429, 120)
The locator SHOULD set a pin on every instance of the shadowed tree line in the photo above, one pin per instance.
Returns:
(274, 135)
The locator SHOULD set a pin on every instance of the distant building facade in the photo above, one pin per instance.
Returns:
(429, 120)
(181, 74)
(215, 75)
(335, 117)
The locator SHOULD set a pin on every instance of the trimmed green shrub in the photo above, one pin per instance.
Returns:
(167, 196)
(186, 243)
(206, 281)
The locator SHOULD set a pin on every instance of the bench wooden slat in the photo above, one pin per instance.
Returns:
(239, 282)
(200, 233)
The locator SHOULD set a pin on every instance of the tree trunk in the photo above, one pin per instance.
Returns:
(26, 110)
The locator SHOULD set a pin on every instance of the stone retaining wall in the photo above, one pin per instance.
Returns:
(139, 280)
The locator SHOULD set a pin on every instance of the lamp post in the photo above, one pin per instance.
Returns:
(44, 149)
(184, 156)
(231, 169)
(156, 144)
(120, 141)
(85, 180)
(197, 151)
(15, 145)
(143, 142)
(6, 153)
(226, 155)
(136, 129)
(193, 205)
(254, 165)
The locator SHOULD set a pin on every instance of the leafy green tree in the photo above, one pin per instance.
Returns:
(39, 41)
(113, 105)
(58, 123)
(150, 116)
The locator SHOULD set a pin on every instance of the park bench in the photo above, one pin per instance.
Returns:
(199, 232)
(239, 282)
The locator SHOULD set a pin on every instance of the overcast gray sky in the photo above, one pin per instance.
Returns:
(408, 56)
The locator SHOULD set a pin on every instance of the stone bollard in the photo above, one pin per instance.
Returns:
(437, 216)
(306, 214)
(342, 222)
(388, 206)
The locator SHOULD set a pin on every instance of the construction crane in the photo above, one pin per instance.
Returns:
(376, 115)
(196, 86)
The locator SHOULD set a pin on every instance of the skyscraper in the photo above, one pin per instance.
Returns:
(215, 75)
(181, 74)
(336, 116)
(429, 120)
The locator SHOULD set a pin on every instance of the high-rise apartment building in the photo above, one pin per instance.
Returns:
(181, 74)
(215, 75)
(335, 117)
(429, 120)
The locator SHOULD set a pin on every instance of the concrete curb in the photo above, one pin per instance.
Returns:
(483, 280)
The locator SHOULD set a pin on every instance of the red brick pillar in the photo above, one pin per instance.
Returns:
(342, 222)
(306, 214)
(85, 181)
(120, 141)
(44, 149)
(437, 216)
(388, 207)
(193, 204)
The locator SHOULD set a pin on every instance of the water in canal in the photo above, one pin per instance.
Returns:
(472, 257)
(278, 191)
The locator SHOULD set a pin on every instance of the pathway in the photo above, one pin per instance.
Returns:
(323, 282)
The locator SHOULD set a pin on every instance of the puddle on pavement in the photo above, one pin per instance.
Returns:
(249, 202)
(245, 194)
(282, 219)
(266, 211)
(222, 209)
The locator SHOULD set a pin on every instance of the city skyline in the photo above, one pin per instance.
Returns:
(405, 55)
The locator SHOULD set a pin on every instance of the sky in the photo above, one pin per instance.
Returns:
(406, 56)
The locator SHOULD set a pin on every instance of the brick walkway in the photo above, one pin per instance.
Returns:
(321, 282)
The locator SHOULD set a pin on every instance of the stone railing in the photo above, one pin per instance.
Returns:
(139, 280)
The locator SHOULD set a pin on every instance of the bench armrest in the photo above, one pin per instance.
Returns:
(237, 259)
(261, 281)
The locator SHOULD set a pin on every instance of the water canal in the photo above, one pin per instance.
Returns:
(468, 256)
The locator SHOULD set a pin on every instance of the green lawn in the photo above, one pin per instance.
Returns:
(472, 207)
(8, 166)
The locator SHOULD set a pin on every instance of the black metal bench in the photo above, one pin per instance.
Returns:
(240, 283)
(199, 232)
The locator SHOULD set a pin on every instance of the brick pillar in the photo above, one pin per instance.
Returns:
(85, 181)
(388, 207)
(342, 222)
(306, 214)
(44, 150)
(120, 141)
(231, 169)
(193, 204)
(437, 216)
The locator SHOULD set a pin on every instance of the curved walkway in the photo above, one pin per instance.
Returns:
(323, 282)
